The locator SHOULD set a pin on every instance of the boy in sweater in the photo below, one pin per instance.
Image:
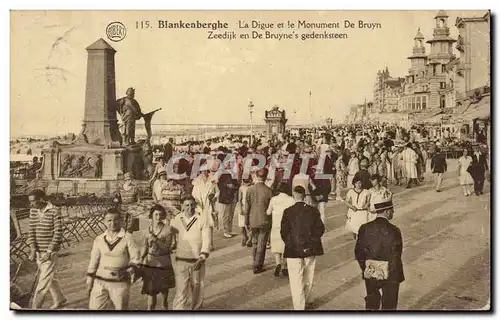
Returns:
(193, 234)
(111, 267)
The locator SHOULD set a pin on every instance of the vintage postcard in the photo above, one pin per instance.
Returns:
(250, 160)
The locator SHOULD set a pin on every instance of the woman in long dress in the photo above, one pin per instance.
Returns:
(277, 206)
(357, 200)
(204, 192)
(466, 180)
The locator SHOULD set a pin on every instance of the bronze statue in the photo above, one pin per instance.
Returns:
(130, 111)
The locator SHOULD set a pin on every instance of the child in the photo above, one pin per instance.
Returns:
(157, 272)
(242, 192)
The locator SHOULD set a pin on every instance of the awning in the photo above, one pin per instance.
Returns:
(437, 118)
(478, 110)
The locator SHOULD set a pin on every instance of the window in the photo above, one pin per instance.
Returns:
(443, 68)
(442, 85)
(418, 103)
(413, 103)
(434, 69)
(442, 101)
(424, 102)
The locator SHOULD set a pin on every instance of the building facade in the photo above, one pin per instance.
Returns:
(474, 47)
(386, 92)
(416, 85)
(441, 54)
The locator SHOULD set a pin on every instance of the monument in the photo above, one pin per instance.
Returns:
(98, 158)
(275, 121)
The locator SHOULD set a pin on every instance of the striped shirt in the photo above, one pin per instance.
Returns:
(45, 229)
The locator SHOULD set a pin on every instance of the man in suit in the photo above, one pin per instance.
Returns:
(168, 150)
(381, 241)
(257, 200)
(481, 159)
(438, 167)
(301, 230)
(225, 204)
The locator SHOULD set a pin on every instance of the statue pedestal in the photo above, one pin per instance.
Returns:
(85, 168)
(77, 169)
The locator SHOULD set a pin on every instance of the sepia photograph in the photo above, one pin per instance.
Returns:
(266, 160)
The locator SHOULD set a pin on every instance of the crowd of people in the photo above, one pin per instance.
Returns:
(279, 204)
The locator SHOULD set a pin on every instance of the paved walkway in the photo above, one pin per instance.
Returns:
(446, 259)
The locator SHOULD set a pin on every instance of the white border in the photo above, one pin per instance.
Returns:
(212, 5)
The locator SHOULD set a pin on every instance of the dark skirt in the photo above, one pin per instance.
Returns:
(157, 280)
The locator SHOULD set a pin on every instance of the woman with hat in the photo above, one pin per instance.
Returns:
(158, 185)
(204, 192)
(358, 201)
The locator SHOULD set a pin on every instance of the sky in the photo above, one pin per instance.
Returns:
(199, 80)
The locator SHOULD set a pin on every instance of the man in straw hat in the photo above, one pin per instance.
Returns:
(378, 252)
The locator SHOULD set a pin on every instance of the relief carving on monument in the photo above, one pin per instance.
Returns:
(80, 165)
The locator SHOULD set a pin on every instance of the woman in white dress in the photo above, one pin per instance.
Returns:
(466, 180)
(277, 206)
(352, 168)
(378, 194)
(357, 200)
(204, 192)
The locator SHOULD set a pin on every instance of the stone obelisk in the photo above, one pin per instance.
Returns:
(92, 163)
(100, 125)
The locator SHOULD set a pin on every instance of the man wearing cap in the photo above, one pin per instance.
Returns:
(378, 251)
(301, 230)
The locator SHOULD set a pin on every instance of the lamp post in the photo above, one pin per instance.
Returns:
(250, 109)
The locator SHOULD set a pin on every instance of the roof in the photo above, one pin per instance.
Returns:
(100, 45)
(419, 35)
(442, 38)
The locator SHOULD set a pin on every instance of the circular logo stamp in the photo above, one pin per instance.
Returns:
(116, 31)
